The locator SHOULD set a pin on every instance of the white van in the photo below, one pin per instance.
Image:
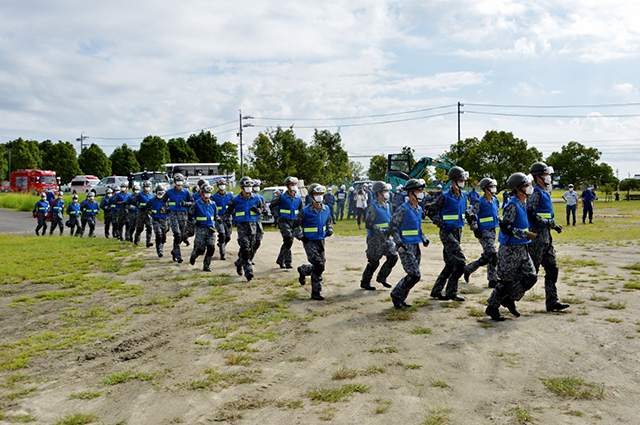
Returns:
(83, 184)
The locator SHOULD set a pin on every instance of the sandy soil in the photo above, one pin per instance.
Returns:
(462, 368)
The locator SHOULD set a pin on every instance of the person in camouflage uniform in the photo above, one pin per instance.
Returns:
(330, 201)
(285, 208)
(448, 212)
(224, 225)
(205, 215)
(40, 211)
(178, 199)
(57, 214)
(159, 217)
(312, 226)
(245, 208)
(379, 242)
(105, 206)
(90, 209)
(132, 213)
(516, 271)
(259, 230)
(541, 218)
(484, 228)
(73, 212)
(143, 221)
(406, 228)
(121, 200)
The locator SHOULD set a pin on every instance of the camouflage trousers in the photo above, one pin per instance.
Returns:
(130, 224)
(204, 243)
(115, 224)
(107, 223)
(160, 229)
(224, 228)
(411, 264)
(247, 232)
(42, 224)
(91, 221)
(377, 246)
(489, 255)
(74, 223)
(315, 268)
(257, 240)
(143, 222)
(120, 219)
(516, 272)
(178, 223)
(57, 220)
(454, 264)
(543, 254)
(286, 230)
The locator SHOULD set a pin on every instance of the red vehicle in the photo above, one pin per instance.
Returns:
(6, 187)
(33, 181)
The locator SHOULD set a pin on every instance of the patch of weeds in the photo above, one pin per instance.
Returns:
(635, 267)
(131, 266)
(344, 373)
(77, 419)
(19, 394)
(15, 378)
(121, 289)
(613, 320)
(476, 312)
(291, 295)
(438, 416)
(334, 395)
(19, 419)
(575, 413)
(128, 375)
(420, 302)
(421, 331)
(215, 379)
(327, 414)
(85, 395)
(383, 406)
(200, 342)
(572, 300)
(351, 268)
(239, 360)
(533, 296)
(595, 297)
(395, 315)
(385, 350)
(373, 370)
(221, 331)
(470, 290)
(584, 263)
(438, 384)
(238, 342)
(576, 388)
(632, 285)
(288, 404)
(412, 366)
(297, 359)
(616, 306)
(227, 416)
(156, 300)
(243, 404)
(184, 293)
(521, 416)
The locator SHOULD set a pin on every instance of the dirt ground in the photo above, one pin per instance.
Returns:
(170, 352)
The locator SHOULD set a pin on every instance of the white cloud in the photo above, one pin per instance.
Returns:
(625, 89)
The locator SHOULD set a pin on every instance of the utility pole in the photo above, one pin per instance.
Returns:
(459, 113)
(246, 117)
(81, 140)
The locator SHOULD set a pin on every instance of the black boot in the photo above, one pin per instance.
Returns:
(315, 295)
(192, 259)
(493, 283)
(385, 283)
(301, 277)
(556, 306)
(510, 304)
(238, 265)
(466, 275)
(494, 313)
(367, 286)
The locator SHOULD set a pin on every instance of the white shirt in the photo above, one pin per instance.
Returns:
(571, 197)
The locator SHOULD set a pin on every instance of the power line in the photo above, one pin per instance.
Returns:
(415, 111)
(371, 123)
(603, 105)
(551, 116)
(166, 135)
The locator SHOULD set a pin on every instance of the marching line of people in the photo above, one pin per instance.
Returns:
(394, 229)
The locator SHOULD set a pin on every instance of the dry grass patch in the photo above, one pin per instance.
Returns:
(344, 373)
(334, 395)
(576, 388)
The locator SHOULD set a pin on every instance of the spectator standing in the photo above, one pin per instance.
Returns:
(571, 198)
(588, 199)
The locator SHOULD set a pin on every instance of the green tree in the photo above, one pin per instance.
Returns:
(180, 151)
(205, 145)
(62, 159)
(356, 171)
(276, 154)
(93, 161)
(335, 160)
(44, 148)
(378, 167)
(629, 185)
(577, 164)
(411, 152)
(497, 155)
(25, 154)
(229, 158)
(4, 163)
(153, 153)
(123, 159)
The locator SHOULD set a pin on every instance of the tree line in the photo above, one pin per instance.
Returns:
(499, 154)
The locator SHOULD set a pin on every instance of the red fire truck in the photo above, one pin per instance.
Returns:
(33, 181)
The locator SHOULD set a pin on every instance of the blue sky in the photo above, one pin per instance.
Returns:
(126, 69)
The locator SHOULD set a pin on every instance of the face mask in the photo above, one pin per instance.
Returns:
(247, 190)
(222, 187)
(123, 189)
(317, 198)
(493, 190)
(461, 185)
(420, 196)
(256, 189)
(207, 195)
(90, 198)
(571, 190)
(385, 196)
(147, 189)
(179, 183)
(294, 188)
(136, 191)
(159, 195)
(547, 180)
(529, 190)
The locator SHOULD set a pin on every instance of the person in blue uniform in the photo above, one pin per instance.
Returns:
(224, 225)
(40, 211)
(285, 208)
(57, 214)
(588, 200)
(259, 230)
(89, 209)
(341, 199)
(406, 228)
(473, 196)
(121, 202)
(205, 214)
(107, 208)
(312, 226)
(157, 209)
(330, 201)
(73, 212)
(178, 199)
(143, 221)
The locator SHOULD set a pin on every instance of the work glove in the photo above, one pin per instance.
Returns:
(35, 215)
(182, 203)
(255, 210)
(477, 233)
(557, 228)
(402, 248)
(305, 239)
(448, 228)
(531, 236)
(551, 223)
(329, 233)
(425, 243)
